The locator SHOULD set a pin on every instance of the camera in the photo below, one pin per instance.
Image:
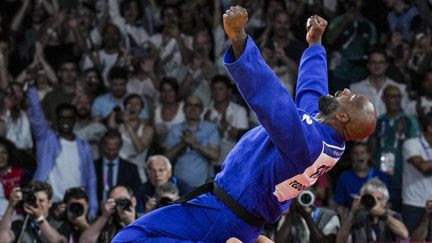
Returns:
(164, 201)
(123, 203)
(368, 201)
(75, 209)
(306, 198)
(29, 197)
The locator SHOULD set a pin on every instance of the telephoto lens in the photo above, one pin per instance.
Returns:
(75, 210)
(306, 198)
(368, 201)
(123, 203)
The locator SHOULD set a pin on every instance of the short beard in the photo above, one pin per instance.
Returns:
(327, 105)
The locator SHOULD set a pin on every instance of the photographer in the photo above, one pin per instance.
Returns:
(370, 219)
(38, 226)
(117, 212)
(74, 210)
(306, 223)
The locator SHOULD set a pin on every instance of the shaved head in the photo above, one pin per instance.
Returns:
(353, 115)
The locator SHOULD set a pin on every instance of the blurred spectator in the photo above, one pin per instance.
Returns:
(402, 17)
(36, 199)
(159, 172)
(111, 103)
(166, 194)
(117, 212)
(421, 55)
(74, 211)
(5, 51)
(169, 111)
(64, 92)
(201, 68)
(306, 223)
(278, 32)
(393, 128)
(10, 175)
(15, 124)
(352, 36)
(192, 145)
(350, 181)
(63, 159)
(136, 134)
(425, 10)
(373, 86)
(144, 80)
(423, 232)
(231, 118)
(370, 219)
(94, 81)
(85, 127)
(111, 169)
(423, 104)
(127, 16)
(416, 181)
(106, 57)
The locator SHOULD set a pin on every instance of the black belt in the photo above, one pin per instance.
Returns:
(232, 204)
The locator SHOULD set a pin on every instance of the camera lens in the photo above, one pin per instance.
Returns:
(76, 209)
(123, 203)
(368, 201)
(306, 198)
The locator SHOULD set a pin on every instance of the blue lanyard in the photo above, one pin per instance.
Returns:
(425, 149)
(315, 214)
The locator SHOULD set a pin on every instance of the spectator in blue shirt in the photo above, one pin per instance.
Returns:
(192, 144)
(63, 160)
(350, 181)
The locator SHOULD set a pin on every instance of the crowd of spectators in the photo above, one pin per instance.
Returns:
(110, 109)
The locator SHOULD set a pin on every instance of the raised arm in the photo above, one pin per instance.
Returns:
(312, 81)
(261, 88)
(36, 115)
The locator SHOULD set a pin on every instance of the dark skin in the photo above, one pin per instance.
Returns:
(353, 115)
(66, 122)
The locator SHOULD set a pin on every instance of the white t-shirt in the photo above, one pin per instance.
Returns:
(416, 187)
(144, 88)
(162, 127)
(365, 87)
(66, 172)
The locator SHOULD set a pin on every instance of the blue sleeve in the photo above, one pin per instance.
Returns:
(266, 96)
(173, 136)
(312, 80)
(36, 116)
(96, 110)
(91, 182)
(214, 138)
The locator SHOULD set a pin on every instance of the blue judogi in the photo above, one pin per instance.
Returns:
(270, 165)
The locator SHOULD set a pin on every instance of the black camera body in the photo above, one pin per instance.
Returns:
(75, 210)
(123, 203)
(368, 201)
(29, 197)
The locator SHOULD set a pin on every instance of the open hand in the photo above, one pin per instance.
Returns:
(315, 29)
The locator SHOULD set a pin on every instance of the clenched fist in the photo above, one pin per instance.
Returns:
(234, 21)
(315, 29)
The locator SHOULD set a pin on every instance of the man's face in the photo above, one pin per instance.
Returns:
(360, 157)
(202, 43)
(112, 36)
(158, 172)
(83, 106)
(377, 64)
(281, 24)
(43, 202)
(392, 99)
(121, 192)
(118, 87)
(66, 121)
(193, 108)
(168, 94)
(111, 148)
(131, 12)
(68, 73)
(220, 92)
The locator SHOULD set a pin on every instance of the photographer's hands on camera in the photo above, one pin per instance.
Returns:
(126, 216)
(378, 210)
